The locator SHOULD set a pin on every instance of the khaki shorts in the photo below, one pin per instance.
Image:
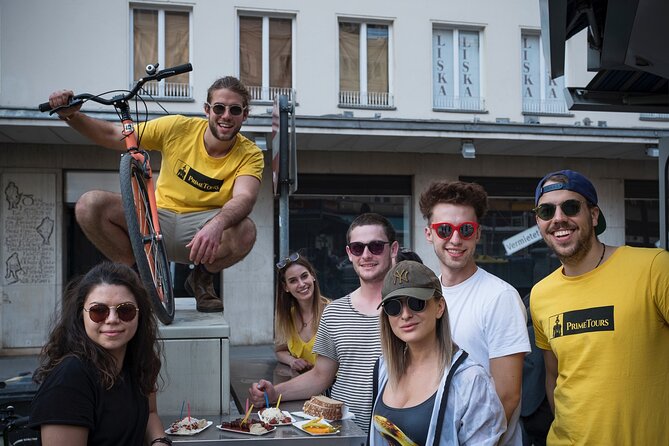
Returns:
(179, 229)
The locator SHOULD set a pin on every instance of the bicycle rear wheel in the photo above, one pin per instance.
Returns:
(147, 245)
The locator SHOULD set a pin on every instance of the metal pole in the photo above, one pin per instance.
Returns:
(663, 163)
(284, 178)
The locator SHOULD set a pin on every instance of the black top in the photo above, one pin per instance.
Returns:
(73, 395)
(412, 421)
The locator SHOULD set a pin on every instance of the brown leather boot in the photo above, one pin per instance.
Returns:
(200, 283)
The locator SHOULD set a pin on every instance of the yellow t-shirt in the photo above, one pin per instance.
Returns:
(190, 180)
(609, 330)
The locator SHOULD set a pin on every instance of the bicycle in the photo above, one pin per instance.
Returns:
(15, 431)
(138, 194)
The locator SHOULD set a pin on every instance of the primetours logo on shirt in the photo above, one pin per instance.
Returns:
(581, 321)
(197, 179)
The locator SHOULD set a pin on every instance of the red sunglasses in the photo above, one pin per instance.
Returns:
(446, 230)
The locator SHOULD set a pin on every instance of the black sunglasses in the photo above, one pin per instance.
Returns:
(446, 230)
(569, 208)
(290, 259)
(376, 247)
(393, 307)
(219, 109)
(99, 313)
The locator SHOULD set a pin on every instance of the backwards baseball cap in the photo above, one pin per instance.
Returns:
(409, 278)
(575, 183)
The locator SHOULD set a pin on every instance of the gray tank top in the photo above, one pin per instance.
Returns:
(413, 422)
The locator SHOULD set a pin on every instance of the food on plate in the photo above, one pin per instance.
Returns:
(253, 426)
(187, 425)
(322, 406)
(317, 427)
(273, 415)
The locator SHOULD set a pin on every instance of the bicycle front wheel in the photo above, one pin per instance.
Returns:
(147, 244)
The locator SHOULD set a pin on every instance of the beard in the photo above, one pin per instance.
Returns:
(215, 130)
(575, 253)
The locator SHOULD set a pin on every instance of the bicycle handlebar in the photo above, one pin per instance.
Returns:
(80, 98)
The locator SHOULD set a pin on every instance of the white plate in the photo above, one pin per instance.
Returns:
(244, 432)
(285, 414)
(193, 432)
(345, 415)
(299, 424)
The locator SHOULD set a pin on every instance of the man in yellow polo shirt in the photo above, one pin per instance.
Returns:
(602, 320)
(208, 184)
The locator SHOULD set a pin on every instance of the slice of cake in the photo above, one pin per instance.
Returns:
(322, 406)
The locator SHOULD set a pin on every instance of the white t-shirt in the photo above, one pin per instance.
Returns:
(488, 320)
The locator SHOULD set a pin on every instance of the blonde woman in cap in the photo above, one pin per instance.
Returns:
(426, 390)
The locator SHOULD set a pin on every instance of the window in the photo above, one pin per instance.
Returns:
(510, 203)
(456, 70)
(266, 56)
(161, 36)
(540, 93)
(323, 208)
(642, 213)
(364, 61)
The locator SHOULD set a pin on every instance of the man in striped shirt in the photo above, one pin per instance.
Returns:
(348, 338)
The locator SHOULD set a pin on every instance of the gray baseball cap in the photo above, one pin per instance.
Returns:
(409, 278)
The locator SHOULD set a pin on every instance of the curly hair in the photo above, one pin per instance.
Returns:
(455, 192)
(233, 84)
(69, 338)
(286, 305)
(370, 219)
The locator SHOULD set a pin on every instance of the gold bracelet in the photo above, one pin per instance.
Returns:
(67, 118)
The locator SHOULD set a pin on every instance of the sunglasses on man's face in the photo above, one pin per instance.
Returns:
(446, 230)
(288, 260)
(393, 307)
(546, 211)
(219, 109)
(99, 313)
(376, 247)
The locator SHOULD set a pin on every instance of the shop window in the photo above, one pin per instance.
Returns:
(510, 203)
(322, 210)
(642, 213)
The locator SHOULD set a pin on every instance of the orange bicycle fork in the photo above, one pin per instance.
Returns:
(132, 147)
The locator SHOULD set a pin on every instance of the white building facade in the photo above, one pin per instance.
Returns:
(389, 96)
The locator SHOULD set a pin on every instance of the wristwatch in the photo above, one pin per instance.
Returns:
(162, 440)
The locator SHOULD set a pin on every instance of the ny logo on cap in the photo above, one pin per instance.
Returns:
(400, 276)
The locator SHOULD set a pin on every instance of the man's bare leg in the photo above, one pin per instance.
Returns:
(102, 219)
(236, 243)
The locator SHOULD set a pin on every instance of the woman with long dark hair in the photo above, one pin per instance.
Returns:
(299, 306)
(99, 368)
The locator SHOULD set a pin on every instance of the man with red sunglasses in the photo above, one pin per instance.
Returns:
(602, 320)
(209, 182)
(487, 315)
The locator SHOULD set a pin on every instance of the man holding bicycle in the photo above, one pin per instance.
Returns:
(209, 182)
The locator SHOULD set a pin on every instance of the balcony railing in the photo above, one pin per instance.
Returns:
(164, 89)
(459, 103)
(269, 93)
(369, 99)
(545, 106)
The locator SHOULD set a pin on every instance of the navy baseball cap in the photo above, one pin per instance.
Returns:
(575, 183)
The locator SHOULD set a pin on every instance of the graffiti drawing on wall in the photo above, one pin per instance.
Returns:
(28, 222)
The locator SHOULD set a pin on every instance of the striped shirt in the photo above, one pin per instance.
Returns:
(353, 340)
